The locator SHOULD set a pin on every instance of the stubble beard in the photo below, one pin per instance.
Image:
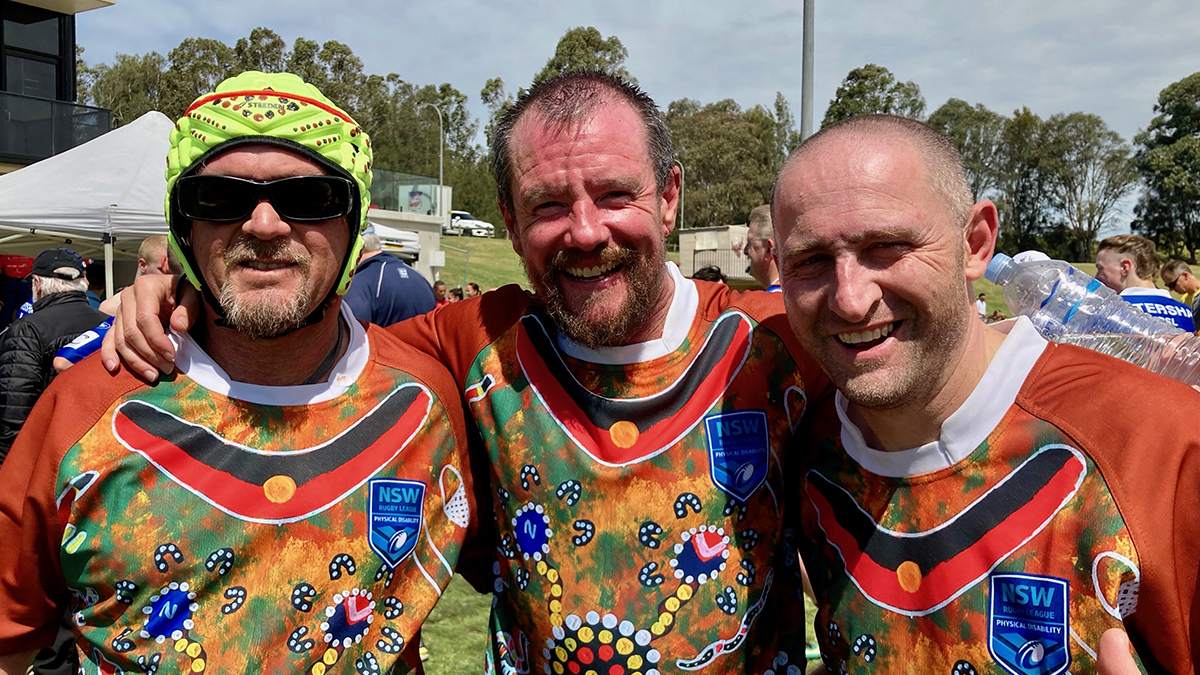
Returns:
(936, 340)
(644, 280)
(264, 315)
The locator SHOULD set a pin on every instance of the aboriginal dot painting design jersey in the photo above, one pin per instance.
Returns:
(201, 533)
(1014, 559)
(638, 504)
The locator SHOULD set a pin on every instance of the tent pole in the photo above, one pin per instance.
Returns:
(108, 253)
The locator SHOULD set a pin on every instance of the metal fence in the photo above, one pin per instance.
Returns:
(733, 264)
(36, 128)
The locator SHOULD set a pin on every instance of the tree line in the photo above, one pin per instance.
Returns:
(1057, 181)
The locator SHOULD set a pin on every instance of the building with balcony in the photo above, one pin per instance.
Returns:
(38, 114)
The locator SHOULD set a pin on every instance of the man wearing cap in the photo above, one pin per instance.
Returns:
(60, 313)
(294, 497)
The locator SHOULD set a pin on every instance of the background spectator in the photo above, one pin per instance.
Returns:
(710, 273)
(1128, 264)
(384, 289)
(1178, 278)
(439, 293)
(60, 313)
(455, 294)
(981, 306)
(472, 290)
(95, 283)
(760, 248)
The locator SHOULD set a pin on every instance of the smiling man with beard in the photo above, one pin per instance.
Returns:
(294, 498)
(633, 419)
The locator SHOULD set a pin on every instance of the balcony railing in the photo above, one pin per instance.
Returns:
(36, 128)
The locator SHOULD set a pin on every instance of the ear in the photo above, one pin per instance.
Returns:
(980, 238)
(670, 199)
(510, 224)
(1127, 269)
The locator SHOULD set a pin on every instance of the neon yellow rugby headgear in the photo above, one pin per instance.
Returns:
(277, 109)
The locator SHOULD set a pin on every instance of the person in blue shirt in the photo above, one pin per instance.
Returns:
(1128, 264)
(384, 290)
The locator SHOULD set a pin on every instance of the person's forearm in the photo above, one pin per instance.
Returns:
(16, 664)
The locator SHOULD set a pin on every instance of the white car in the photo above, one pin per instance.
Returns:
(466, 224)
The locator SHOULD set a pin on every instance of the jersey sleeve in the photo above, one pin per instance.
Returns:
(86, 344)
(1144, 436)
(33, 593)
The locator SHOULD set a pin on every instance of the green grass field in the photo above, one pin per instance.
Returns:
(493, 263)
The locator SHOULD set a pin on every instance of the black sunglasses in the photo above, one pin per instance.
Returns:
(226, 199)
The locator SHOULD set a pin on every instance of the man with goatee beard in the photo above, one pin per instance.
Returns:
(293, 498)
(633, 419)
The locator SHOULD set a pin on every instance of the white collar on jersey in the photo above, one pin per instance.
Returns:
(191, 360)
(684, 302)
(967, 427)
(1142, 290)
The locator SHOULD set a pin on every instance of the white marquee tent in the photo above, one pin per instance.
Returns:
(99, 199)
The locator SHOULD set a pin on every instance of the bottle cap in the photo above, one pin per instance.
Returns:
(999, 263)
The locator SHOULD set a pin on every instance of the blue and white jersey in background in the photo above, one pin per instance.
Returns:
(1158, 303)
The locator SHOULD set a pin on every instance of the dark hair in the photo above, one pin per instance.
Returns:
(571, 98)
(439, 282)
(95, 274)
(473, 286)
(709, 273)
(455, 293)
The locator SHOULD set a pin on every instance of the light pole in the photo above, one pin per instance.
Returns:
(806, 72)
(680, 165)
(441, 150)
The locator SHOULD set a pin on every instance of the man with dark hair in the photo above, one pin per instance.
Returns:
(980, 502)
(709, 273)
(439, 294)
(96, 283)
(60, 313)
(384, 289)
(634, 419)
(760, 248)
(1128, 264)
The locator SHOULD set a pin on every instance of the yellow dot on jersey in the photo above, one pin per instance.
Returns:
(684, 592)
(193, 650)
(909, 576)
(279, 489)
(586, 634)
(570, 644)
(555, 606)
(672, 604)
(624, 646)
(635, 661)
(330, 656)
(318, 668)
(181, 644)
(558, 668)
(541, 567)
(552, 575)
(605, 636)
(624, 434)
(198, 666)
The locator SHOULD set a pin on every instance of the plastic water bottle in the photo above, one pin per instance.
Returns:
(1068, 306)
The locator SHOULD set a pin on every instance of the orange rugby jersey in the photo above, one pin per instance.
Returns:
(203, 525)
(1053, 508)
(637, 490)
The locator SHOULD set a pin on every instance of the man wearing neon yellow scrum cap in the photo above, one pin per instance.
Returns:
(295, 497)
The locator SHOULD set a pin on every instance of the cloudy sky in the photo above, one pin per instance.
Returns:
(1109, 57)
